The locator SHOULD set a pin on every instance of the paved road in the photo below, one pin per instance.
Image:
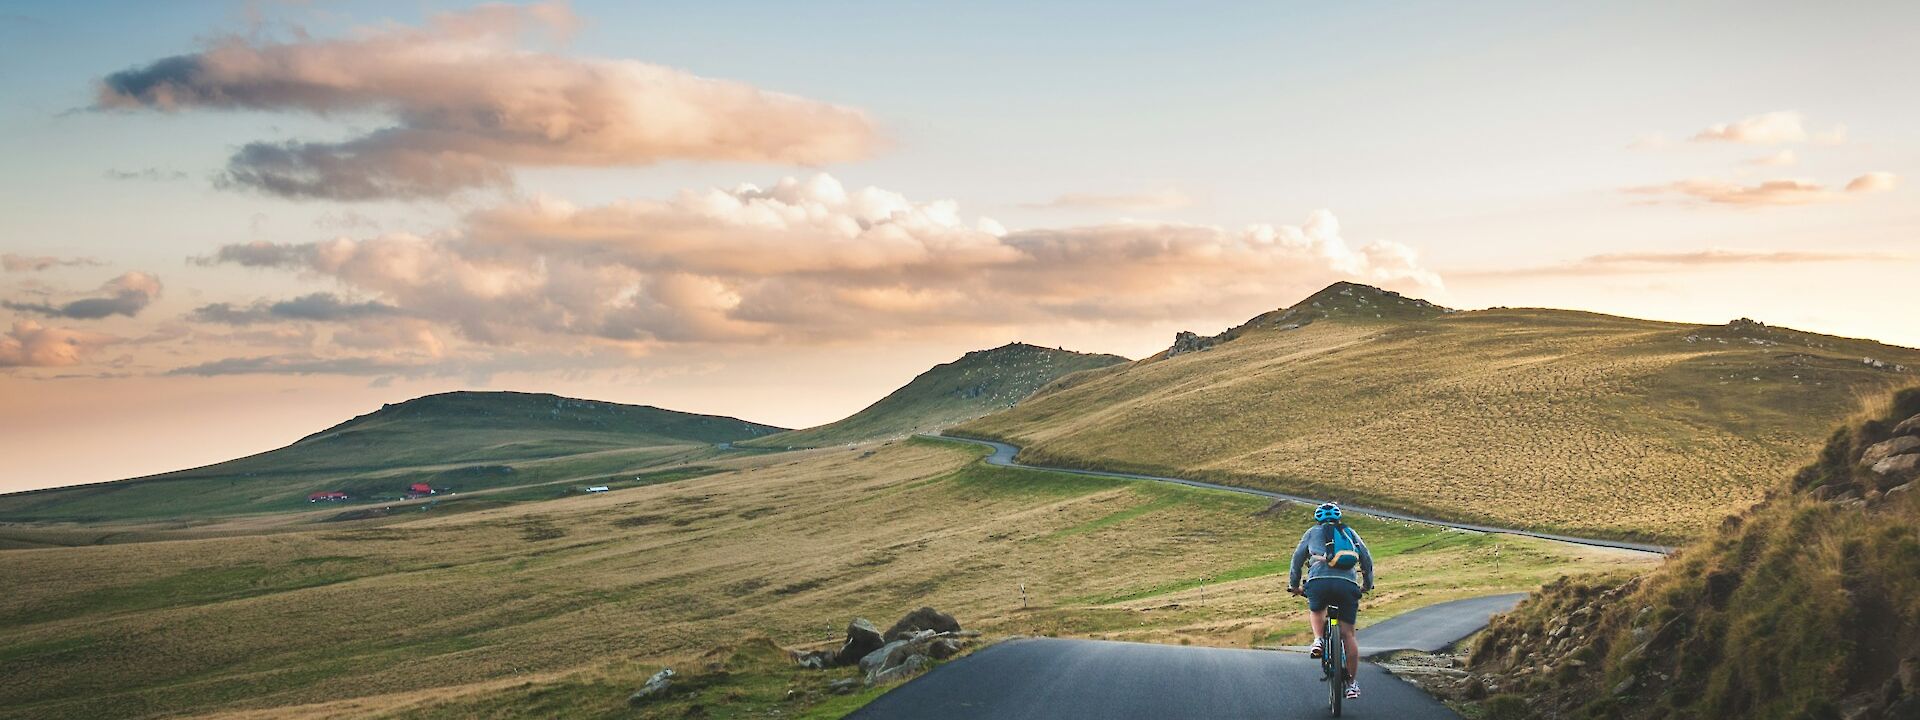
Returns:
(1433, 627)
(1003, 455)
(1054, 679)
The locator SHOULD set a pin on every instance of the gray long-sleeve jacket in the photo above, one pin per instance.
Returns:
(1313, 544)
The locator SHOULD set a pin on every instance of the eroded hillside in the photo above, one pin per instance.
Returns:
(1807, 605)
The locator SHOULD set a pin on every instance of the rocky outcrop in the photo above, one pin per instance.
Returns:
(862, 638)
(925, 618)
(655, 688)
(1190, 342)
(1898, 470)
(1883, 450)
(1801, 606)
(901, 658)
(918, 639)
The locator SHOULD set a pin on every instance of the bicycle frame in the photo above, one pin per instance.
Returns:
(1333, 661)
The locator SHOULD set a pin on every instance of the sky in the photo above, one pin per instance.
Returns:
(225, 225)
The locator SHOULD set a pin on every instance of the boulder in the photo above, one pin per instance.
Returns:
(944, 648)
(817, 659)
(908, 666)
(843, 687)
(877, 660)
(655, 688)
(1898, 490)
(1883, 450)
(1909, 426)
(1898, 469)
(862, 638)
(925, 618)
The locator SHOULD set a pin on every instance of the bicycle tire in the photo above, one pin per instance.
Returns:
(1336, 655)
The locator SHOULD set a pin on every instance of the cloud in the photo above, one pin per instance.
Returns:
(125, 295)
(810, 261)
(1168, 199)
(317, 307)
(1720, 192)
(1771, 128)
(301, 364)
(1873, 182)
(1769, 193)
(147, 174)
(10, 262)
(1784, 158)
(258, 253)
(469, 104)
(31, 344)
(1666, 261)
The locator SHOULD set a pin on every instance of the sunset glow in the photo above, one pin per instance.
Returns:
(229, 225)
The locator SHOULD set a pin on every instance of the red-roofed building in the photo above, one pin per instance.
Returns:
(420, 489)
(328, 495)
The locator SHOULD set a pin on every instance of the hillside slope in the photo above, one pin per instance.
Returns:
(466, 440)
(1807, 605)
(980, 382)
(1548, 419)
(561, 608)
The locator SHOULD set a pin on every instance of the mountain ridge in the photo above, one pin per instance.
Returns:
(977, 383)
(1468, 415)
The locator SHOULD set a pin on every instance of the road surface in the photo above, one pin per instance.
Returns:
(1433, 627)
(1056, 679)
(1003, 456)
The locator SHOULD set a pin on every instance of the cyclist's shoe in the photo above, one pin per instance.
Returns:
(1316, 651)
(1353, 690)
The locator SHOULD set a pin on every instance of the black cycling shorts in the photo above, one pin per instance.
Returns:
(1322, 592)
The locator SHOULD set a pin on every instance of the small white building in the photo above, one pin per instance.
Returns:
(597, 488)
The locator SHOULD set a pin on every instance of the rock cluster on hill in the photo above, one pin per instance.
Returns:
(1187, 341)
(918, 639)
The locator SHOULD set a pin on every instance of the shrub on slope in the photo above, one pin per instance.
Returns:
(1806, 605)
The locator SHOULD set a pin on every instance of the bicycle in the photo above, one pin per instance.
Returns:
(1333, 658)
(1333, 661)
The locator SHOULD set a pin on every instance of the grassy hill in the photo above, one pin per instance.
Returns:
(980, 382)
(461, 441)
(1550, 419)
(561, 608)
(1806, 605)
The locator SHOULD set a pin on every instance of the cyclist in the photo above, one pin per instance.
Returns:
(1328, 585)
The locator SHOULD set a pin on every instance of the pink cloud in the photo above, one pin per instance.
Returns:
(31, 344)
(10, 262)
(470, 105)
(1771, 128)
(810, 261)
(1873, 182)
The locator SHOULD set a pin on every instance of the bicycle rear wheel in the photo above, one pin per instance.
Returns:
(1336, 655)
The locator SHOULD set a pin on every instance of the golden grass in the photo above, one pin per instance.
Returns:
(499, 610)
(1546, 419)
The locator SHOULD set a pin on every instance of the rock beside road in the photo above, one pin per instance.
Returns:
(910, 645)
(925, 618)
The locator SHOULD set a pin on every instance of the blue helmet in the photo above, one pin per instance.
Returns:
(1329, 512)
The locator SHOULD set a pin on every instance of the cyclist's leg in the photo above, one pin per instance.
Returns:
(1351, 640)
(1349, 633)
(1317, 610)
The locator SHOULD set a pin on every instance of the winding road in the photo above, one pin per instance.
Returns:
(1004, 453)
(1098, 679)
(1067, 679)
(1057, 679)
